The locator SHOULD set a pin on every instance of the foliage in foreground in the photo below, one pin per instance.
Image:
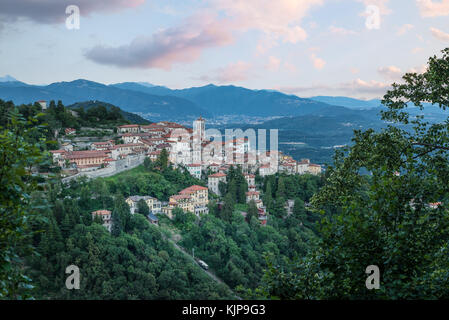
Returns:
(383, 219)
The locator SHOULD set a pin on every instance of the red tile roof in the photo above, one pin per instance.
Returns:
(191, 189)
(252, 193)
(101, 212)
(217, 175)
(129, 126)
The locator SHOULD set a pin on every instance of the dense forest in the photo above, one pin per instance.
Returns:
(133, 262)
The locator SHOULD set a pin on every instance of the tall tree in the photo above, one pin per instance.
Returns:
(142, 207)
(17, 157)
(252, 211)
(228, 208)
(397, 217)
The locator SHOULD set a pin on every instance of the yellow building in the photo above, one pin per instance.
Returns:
(199, 194)
(183, 201)
(192, 199)
(314, 169)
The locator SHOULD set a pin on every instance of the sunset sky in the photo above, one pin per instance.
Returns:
(303, 47)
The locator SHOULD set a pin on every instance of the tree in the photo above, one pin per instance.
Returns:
(228, 207)
(299, 210)
(222, 187)
(384, 218)
(121, 213)
(142, 207)
(18, 155)
(281, 192)
(117, 225)
(162, 159)
(267, 197)
(252, 211)
(148, 164)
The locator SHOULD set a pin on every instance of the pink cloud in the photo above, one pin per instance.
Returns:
(164, 48)
(429, 8)
(318, 63)
(441, 35)
(390, 72)
(404, 29)
(277, 19)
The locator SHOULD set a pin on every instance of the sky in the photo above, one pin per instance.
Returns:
(354, 48)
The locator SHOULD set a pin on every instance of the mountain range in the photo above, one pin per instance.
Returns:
(161, 103)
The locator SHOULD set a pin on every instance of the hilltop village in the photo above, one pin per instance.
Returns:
(184, 148)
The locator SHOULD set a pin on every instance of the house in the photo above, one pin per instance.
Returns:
(153, 155)
(106, 216)
(213, 182)
(314, 169)
(263, 215)
(133, 137)
(193, 199)
(302, 166)
(194, 170)
(288, 167)
(434, 205)
(131, 128)
(108, 161)
(250, 179)
(58, 156)
(102, 145)
(266, 169)
(289, 206)
(198, 193)
(67, 146)
(88, 158)
(214, 167)
(153, 219)
(153, 204)
(121, 150)
(252, 195)
(69, 131)
(43, 104)
(183, 201)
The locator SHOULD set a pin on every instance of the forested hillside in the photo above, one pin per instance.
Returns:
(133, 262)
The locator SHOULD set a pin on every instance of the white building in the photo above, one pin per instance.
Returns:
(194, 170)
(303, 166)
(213, 182)
(106, 216)
(43, 104)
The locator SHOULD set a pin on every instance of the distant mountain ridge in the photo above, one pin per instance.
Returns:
(153, 106)
(162, 103)
(7, 78)
(350, 103)
(232, 100)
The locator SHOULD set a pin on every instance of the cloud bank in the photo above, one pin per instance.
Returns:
(163, 48)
